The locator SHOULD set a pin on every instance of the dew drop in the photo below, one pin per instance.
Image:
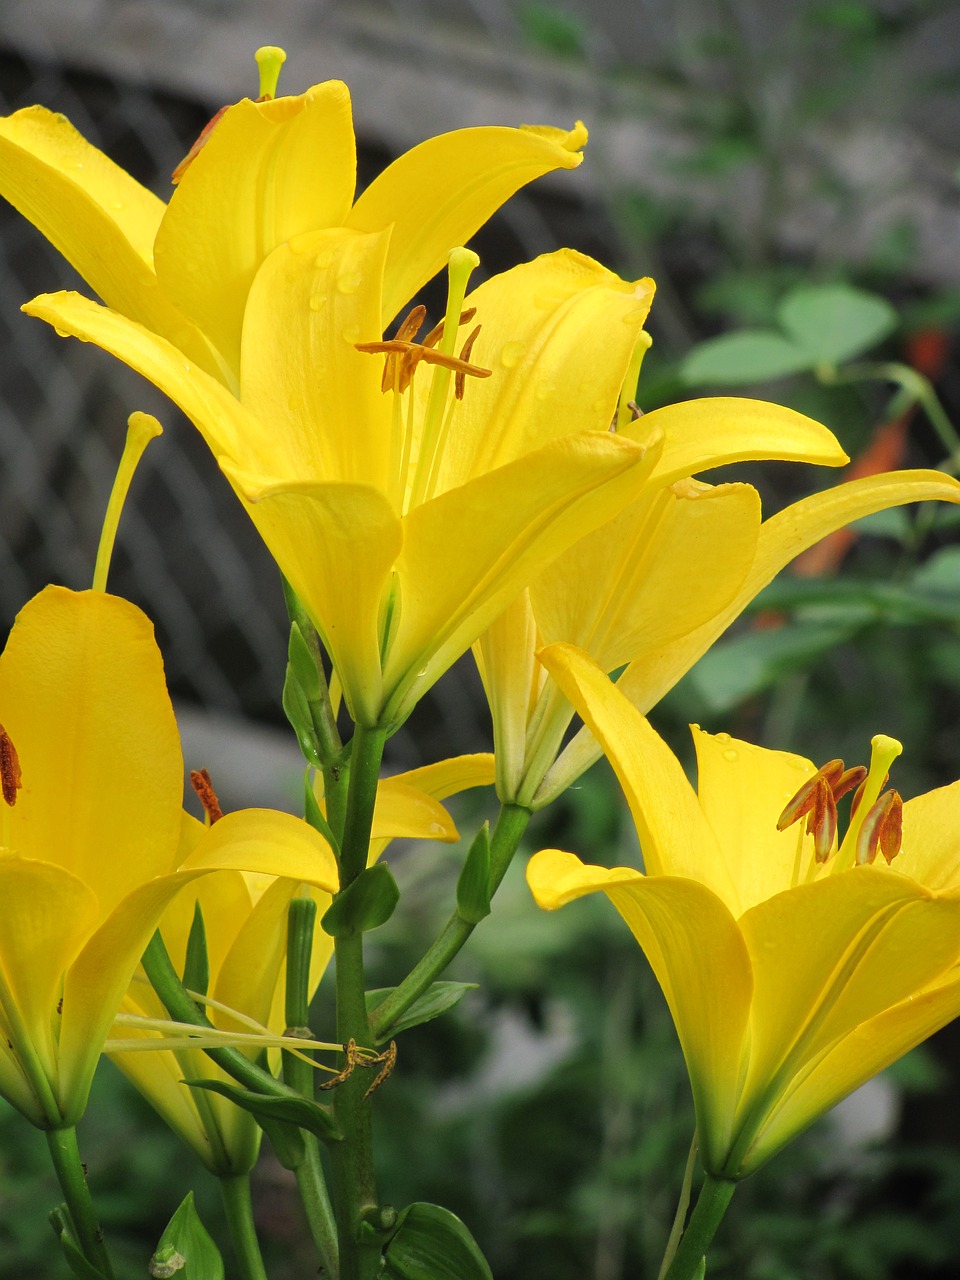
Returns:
(545, 390)
(349, 281)
(731, 755)
(511, 354)
(351, 335)
(722, 738)
(318, 301)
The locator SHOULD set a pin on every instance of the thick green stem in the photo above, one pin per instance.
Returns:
(300, 1076)
(65, 1154)
(235, 1193)
(511, 824)
(715, 1196)
(355, 1182)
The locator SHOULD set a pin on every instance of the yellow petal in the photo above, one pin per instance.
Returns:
(84, 700)
(267, 172)
(512, 679)
(743, 790)
(48, 916)
(440, 192)
(859, 1056)
(698, 956)
(468, 552)
(675, 838)
(262, 840)
(700, 434)
(247, 980)
(229, 429)
(312, 300)
(336, 545)
(658, 570)
(782, 537)
(449, 777)
(928, 854)
(827, 957)
(558, 334)
(404, 812)
(101, 220)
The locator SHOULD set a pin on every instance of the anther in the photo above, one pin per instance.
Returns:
(460, 380)
(352, 1055)
(882, 830)
(822, 820)
(9, 768)
(200, 781)
(805, 799)
(389, 1060)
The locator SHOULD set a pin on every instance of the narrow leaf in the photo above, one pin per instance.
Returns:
(300, 1112)
(473, 887)
(365, 904)
(196, 966)
(437, 999)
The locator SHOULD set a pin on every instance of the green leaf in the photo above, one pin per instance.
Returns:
(437, 999)
(366, 903)
(300, 1112)
(432, 1243)
(835, 322)
(63, 1230)
(186, 1250)
(196, 966)
(297, 710)
(739, 359)
(473, 887)
(303, 665)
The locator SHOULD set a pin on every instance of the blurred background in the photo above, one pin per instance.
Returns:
(738, 154)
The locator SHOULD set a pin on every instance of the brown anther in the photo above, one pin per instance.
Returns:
(406, 357)
(849, 779)
(389, 1060)
(460, 381)
(822, 820)
(882, 830)
(200, 781)
(10, 782)
(350, 1049)
(436, 333)
(832, 775)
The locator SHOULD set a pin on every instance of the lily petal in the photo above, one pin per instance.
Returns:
(311, 301)
(97, 780)
(700, 434)
(267, 172)
(695, 949)
(742, 790)
(452, 586)
(675, 838)
(440, 192)
(558, 333)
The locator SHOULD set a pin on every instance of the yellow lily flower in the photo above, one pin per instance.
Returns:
(268, 172)
(648, 592)
(406, 521)
(794, 969)
(245, 922)
(90, 837)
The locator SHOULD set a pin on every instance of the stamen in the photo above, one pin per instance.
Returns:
(822, 822)
(460, 380)
(141, 429)
(200, 781)
(10, 782)
(627, 410)
(849, 779)
(389, 1060)
(198, 145)
(805, 799)
(882, 830)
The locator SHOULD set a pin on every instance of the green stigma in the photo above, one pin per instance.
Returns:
(270, 58)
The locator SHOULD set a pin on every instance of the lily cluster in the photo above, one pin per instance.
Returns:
(489, 484)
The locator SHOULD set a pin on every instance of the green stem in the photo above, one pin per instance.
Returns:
(715, 1196)
(235, 1193)
(355, 1180)
(511, 824)
(65, 1154)
(299, 1075)
(680, 1217)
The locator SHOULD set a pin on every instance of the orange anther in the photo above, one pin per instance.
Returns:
(200, 781)
(882, 830)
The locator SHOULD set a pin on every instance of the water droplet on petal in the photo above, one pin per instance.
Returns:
(511, 354)
(349, 281)
(722, 738)
(351, 334)
(318, 301)
(731, 755)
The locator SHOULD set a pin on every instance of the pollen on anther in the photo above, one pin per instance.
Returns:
(200, 781)
(10, 782)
